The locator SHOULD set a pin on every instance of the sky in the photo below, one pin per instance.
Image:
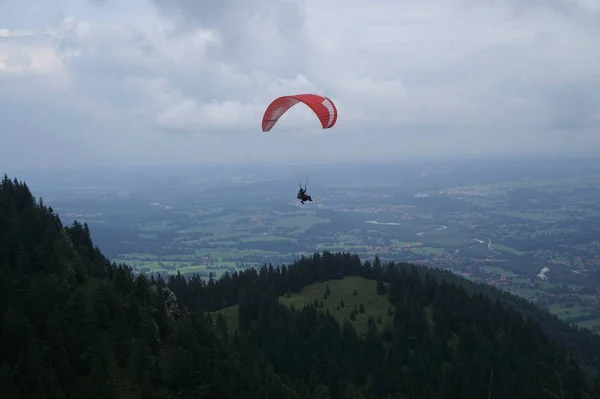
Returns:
(106, 82)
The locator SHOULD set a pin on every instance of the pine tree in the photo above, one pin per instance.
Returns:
(221, 327)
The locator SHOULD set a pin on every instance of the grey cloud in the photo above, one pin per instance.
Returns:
(37, 16)
(225, 14)
(409, 79)
(240, 22)
(562, 6)
(575, 106)
(579, 10)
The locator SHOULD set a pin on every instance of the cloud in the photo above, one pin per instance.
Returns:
(185, 81)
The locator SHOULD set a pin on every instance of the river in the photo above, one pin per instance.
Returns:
(438, 229)
(383, 223)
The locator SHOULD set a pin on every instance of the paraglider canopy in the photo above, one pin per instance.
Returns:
(322, 106)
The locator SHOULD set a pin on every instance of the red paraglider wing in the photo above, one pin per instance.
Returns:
(323, 107)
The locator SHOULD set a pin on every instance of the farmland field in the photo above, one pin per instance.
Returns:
(529, 227)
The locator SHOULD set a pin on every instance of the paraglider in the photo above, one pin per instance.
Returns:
(302, 196)
(322, 106)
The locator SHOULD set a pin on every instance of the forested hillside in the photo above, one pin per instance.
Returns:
(450, 338)
(74, 325)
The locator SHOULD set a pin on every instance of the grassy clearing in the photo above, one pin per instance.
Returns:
(527, 293)
(233, 254)
(536, 216)
(507, 249)
(348, 237)
(158, 266)
(204, 212)
(553, 231)
(222, 243)
(156, 226)
(137, 256)
(178, 257)
(567, 311)
(374, 305)
(545, 285)
(399, 243)
(476, 250)
(427, 251)
(230, 314)
(449, 241)
(268, 239)
(299, 222)
(218, 230)
(593, 325)
(498, 270)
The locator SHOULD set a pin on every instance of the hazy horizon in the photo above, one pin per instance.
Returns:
(421, 172)
(424, 160)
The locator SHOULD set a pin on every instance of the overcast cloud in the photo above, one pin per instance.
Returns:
(175, 81)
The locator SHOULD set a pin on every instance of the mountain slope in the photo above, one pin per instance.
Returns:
(448, 339)
(73, 325)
